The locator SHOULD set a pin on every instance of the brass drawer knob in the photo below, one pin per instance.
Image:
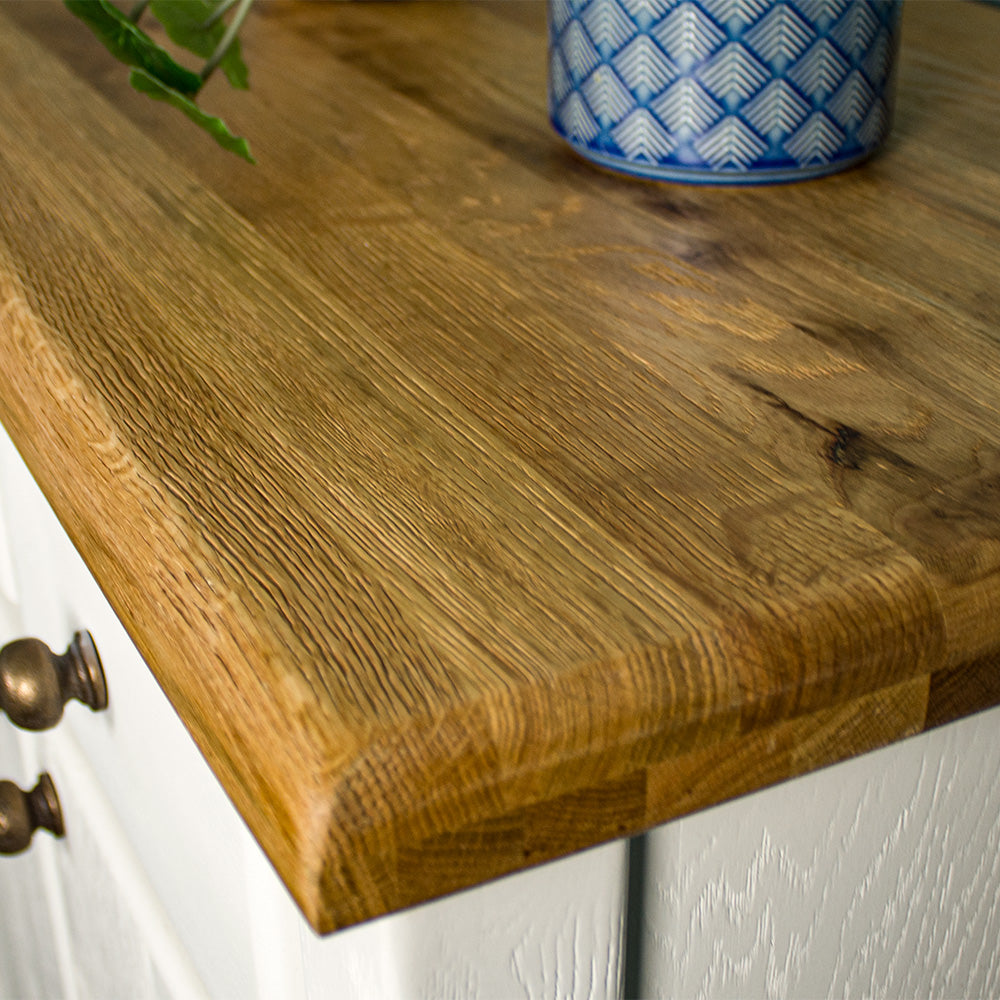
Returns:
(36, 683)
(22, 813)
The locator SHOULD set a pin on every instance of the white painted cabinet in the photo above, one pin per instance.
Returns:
(29, 949)
(879, 877)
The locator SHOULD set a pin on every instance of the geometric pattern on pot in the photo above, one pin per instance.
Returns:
(723, 91)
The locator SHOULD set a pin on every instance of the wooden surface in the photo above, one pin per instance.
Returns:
(474, 506)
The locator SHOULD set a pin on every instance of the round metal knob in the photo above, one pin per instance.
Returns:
(35, 683)
(22, 813)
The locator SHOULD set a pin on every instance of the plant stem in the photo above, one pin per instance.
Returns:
(232, 30)
(137, 9)
(218, 13)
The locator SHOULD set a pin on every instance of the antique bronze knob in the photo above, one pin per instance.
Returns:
(22, 813)
(35, 683)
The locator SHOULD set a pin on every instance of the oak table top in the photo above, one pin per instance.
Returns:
(472, 505)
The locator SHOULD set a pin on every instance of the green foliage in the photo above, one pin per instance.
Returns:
(132, 46)
(190, 24)
(185, 22)
(159, 91)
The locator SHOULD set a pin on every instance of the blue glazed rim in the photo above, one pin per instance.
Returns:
(708, 177)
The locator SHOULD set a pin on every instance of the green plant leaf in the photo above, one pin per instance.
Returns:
(131, 45)
(150, 85)
(184, 21)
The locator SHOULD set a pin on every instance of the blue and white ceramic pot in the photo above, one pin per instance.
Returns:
(723, 91)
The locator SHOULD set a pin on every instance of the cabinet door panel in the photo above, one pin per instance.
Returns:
(551, 933)
(32, 941)
(876, 877)
(121, 942)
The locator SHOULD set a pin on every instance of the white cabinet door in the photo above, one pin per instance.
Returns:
(29, 941)
(121, 943)
(878, 877)
(30, 938)
(551, 933)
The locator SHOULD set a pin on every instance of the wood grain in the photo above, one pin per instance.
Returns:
(453, 489)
